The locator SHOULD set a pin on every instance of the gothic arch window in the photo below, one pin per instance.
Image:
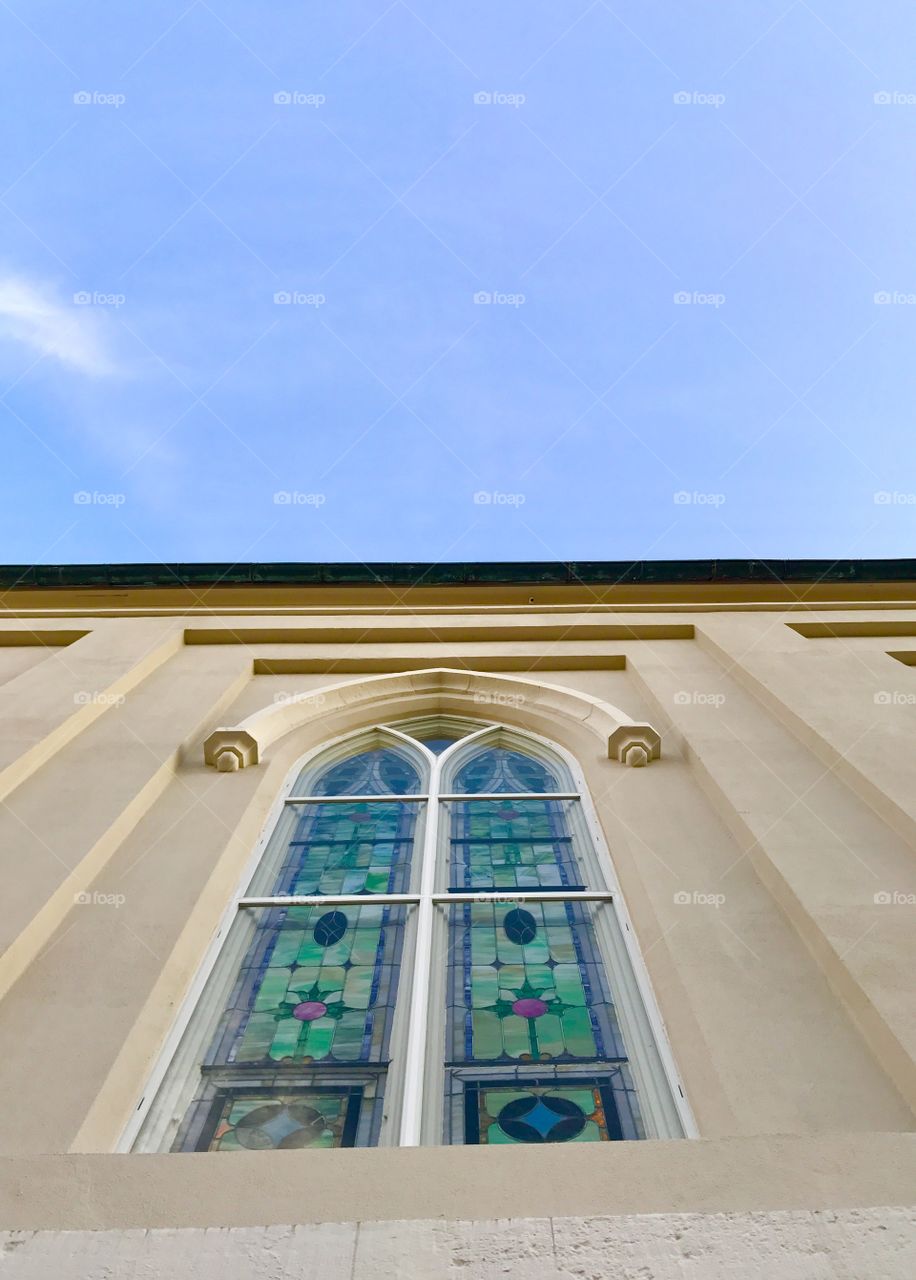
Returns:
(432, 949)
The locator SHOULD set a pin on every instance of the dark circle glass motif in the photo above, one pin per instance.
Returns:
(330, 928)
(520, 926)
(542, 1118)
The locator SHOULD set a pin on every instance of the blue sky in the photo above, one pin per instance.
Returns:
(694, 224)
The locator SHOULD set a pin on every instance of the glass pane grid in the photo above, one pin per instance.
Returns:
(499, 845)
(349, 848)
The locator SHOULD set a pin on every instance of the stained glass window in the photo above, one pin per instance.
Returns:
(300, 1040)
(528, 995)
(315, 991)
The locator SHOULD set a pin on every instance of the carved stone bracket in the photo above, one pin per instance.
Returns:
(230, 749)
(634, 745)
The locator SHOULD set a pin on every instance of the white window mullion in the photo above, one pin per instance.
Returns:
(415, 1056)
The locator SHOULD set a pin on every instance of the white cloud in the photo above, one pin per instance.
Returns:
(58, 328)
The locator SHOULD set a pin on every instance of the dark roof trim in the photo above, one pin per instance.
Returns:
(518, 573)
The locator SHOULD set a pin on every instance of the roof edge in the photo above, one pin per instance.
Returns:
(476, 573)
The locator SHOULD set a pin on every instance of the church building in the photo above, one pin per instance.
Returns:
(531, 921)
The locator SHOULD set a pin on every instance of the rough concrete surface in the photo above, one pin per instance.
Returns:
(854, 1244)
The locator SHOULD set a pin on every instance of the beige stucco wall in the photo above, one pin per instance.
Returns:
(786, 788)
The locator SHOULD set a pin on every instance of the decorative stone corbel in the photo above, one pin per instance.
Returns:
(634, 745)
(230, 749)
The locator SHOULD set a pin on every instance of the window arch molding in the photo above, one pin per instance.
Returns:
(437, 773)
(516, 699)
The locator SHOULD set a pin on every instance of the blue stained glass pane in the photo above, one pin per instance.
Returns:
(382, 771)
(497, 769)
(438, 745)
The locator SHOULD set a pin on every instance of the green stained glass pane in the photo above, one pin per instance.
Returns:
(577, 1032)
(365, 946)
(260, 1032)
(316, 1038)
(483, 944)
(273, 989)
(487, 1033)
(286, 1039)
(551, 1038)
(568, 984)
(484, 987)
(286, 947)
(516, 1038)
(358, 988)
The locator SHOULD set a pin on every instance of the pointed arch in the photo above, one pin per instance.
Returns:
(442, 689)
